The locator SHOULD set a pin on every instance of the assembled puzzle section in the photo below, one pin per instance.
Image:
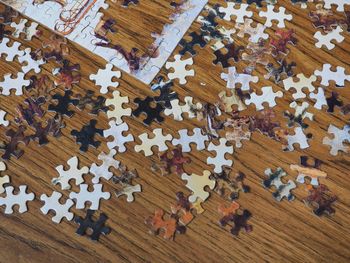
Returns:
(84, 22)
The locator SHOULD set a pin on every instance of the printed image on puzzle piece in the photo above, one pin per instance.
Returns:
(140, 49)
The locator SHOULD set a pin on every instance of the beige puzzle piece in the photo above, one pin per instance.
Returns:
(196, 184)
(118, 112)
(229, 101)
(158, 140)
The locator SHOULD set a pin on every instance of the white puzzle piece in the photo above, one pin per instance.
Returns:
(72, 173)
(92, 197)
(326, 39)
(20, 199)
(53, 203)
(117, 132)
(102, 171)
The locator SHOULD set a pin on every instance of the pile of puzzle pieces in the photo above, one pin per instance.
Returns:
(243, 107)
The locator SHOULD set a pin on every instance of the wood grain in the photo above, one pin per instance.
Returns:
(285, 231)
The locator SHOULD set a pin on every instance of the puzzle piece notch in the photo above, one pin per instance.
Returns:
(3, 121)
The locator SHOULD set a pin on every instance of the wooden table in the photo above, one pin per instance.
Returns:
(282, 231)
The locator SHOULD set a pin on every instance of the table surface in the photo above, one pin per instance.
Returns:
(287, 231)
